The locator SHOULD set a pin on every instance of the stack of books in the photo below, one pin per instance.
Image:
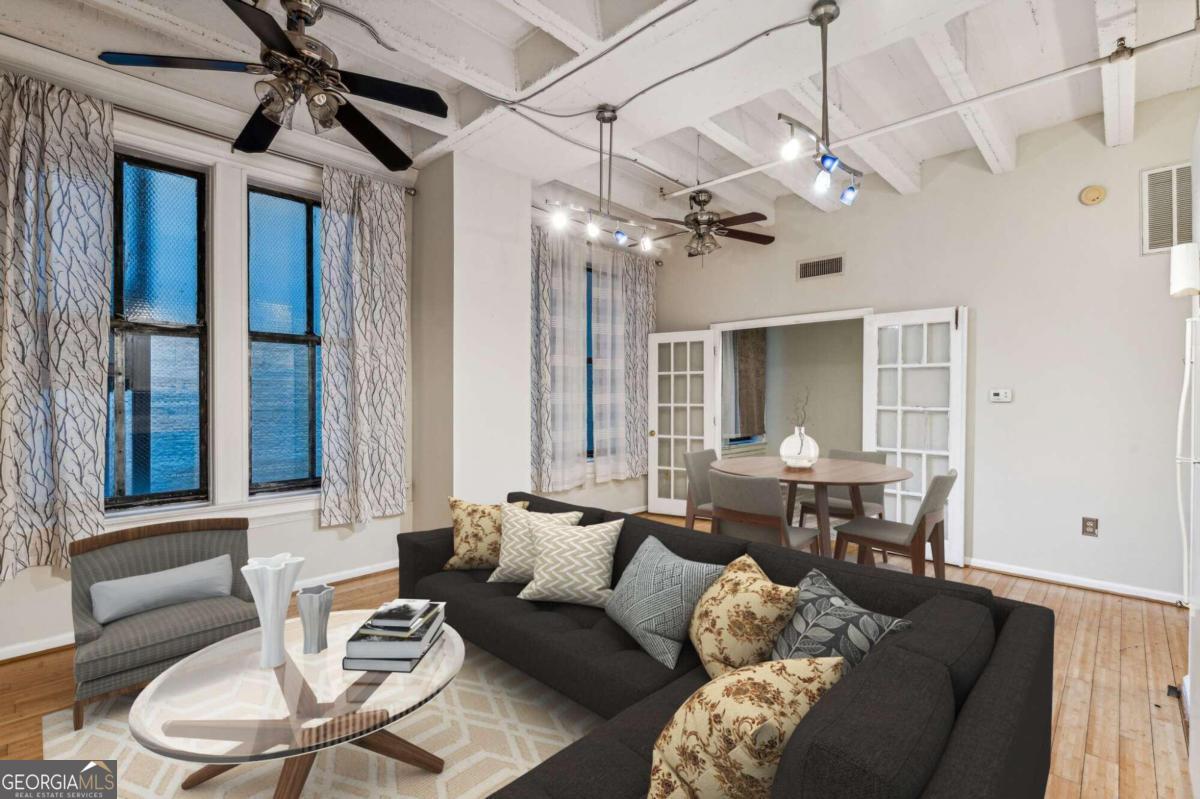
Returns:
(396, 636)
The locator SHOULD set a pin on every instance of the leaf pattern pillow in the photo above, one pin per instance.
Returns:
(739, 616)
(828, 623)
(476, 535)
(726, 740)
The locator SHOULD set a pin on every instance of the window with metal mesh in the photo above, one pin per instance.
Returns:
(156, 444)
(285, 342)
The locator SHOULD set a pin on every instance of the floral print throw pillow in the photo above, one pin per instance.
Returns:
(476, 535)
(726, 740)
(739, 616)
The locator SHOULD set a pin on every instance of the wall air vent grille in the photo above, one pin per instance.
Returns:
(1166, 207)
(819, 267)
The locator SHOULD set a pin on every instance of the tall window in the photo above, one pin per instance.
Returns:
(157, 438)
(285, 342)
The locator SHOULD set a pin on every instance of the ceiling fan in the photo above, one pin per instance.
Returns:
(706, 225)
(302, 69)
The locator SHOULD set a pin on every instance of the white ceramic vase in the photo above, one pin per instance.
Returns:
(799, 450)
(314, 604)
(271, 581)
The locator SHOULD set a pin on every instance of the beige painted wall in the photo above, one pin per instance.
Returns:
(825, 357)
(1063, 309)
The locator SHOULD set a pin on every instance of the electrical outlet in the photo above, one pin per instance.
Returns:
(1091, 527)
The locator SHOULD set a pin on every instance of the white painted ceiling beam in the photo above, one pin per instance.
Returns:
(993, 135)
(1116, 20)
(898, 168)
(191, 35)
(751, 141)
(575, 23)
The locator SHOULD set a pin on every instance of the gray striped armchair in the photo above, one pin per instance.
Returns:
(127, 653)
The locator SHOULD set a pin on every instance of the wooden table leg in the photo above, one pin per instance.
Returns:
(791, 503)
(205, 774)
(294, 775)
(395, 747)
(826, 537)
(856, 501)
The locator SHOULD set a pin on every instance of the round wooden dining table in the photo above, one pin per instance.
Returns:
(821, 475)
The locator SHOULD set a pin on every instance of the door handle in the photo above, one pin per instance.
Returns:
(652, 434)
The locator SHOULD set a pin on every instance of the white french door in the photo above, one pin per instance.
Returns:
(914, 408)
(680, 406)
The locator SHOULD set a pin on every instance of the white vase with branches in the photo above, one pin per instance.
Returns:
(800, 450)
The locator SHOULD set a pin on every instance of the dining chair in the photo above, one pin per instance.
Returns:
(840, 504)
(904, 539)
(699, 496)
(751, 508)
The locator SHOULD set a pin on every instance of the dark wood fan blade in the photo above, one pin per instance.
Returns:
(670, 221)
(264, 27)
(743, 219)
(745, 235)
(258, 134)
(178, 62)
(426, 101)
(374, 139)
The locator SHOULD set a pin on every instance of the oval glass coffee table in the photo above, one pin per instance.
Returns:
(219, 708)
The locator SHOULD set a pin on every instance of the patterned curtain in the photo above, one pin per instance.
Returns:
(364, 358)
(55, 267)
(558, 362)
(622, 318)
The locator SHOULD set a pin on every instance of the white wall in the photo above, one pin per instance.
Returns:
(491, 331)
(1064, 310)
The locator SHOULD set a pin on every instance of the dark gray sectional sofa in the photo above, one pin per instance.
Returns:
(959, 706)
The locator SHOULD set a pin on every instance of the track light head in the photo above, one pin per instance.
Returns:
(559, 219)
(593, 230)
(620, 237)
(849, 194)
(829, 162)
(822, 181)
(647, 244)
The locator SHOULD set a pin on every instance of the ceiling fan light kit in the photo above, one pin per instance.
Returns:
(302, 69)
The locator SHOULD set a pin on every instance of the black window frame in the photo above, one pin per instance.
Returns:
(120, 325)
(309, 338)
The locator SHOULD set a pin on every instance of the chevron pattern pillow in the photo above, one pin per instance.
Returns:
(574, 564)
(655, 597)
(517, 553)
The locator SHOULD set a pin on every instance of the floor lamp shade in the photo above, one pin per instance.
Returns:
(1185, 270)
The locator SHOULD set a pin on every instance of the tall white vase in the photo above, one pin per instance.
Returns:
(799, 450)
(271, 581)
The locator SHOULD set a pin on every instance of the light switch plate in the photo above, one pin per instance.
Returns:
(1091, 526)
(1000, 395)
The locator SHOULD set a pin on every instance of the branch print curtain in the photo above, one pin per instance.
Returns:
(558, 363)
(55, 267)
(622, 318)
(364, 339)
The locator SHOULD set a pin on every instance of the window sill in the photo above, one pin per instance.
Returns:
(260, 510)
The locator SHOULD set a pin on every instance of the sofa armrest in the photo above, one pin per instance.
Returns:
(422, 554)
(87, 629)
(1000, 747)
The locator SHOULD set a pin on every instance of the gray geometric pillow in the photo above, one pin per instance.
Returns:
(827, 623)
(655, 597)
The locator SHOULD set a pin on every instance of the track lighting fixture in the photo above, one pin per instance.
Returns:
(821, 181)
(620, 237)
(559, 219)
(790, 150)
(593, 230)
(647, 243)
(850, 193)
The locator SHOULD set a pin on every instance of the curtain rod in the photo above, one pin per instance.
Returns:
(408, 190)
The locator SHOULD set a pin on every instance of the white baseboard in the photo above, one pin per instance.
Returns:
(632, 511)
(63, 639)
(1078, 582)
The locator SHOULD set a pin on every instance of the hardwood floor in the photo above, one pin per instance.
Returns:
(1116, 732)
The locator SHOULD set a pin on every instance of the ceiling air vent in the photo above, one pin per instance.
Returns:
(1166, 207)
(819, 267)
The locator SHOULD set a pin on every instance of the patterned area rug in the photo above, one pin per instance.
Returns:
(491, 725)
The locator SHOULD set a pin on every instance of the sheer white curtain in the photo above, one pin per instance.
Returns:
(622, 320)
(55, 281)
(364, 340)
(558, 363)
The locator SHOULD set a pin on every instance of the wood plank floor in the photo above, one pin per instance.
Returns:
(1116, 732)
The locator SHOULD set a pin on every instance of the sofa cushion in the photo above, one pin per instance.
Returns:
(827, 623)
(739, 616)
(574, 564)
(161, 634)
(727, 738)
(684, 543)
(882, 590)
(518, 543)
(877, 734)
(613, 760)
(574, 649)
(957, 634)
(204, 579)
(476, 534)
(655, 598)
